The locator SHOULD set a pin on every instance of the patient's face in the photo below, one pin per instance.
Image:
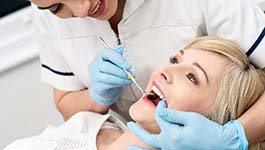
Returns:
(189, 83)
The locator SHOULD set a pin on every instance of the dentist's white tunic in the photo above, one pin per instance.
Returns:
(150, 30)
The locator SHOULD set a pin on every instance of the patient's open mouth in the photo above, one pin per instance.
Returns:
(156, 96)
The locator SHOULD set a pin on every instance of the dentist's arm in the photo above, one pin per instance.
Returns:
(106, 81)
(253, 121)
(70, 103)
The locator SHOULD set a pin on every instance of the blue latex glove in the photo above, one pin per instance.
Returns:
(107, 77)
(136, 148)
(188, 130)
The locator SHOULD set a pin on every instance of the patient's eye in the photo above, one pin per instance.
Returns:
(56, 8)
(192, 78)
(53, 8)
(173, 60)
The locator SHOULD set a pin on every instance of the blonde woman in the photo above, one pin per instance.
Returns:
(211, 76)
(69, 39)
(240, 87)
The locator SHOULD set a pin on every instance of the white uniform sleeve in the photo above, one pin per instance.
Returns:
(55, 70)
(241, 21)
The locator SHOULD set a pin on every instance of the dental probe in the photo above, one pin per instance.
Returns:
(103, 42)
(129, 75)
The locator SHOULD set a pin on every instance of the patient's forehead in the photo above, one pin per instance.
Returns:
(203, 56)
(44, 3)
(213, 63)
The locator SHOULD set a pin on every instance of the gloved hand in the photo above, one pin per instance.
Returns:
(107, 76)
(188, 130)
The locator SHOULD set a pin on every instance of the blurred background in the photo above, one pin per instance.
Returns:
(26, 103)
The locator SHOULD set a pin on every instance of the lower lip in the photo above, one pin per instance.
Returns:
(100, 10)
(147, 101)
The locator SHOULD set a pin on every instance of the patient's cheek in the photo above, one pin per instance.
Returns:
(41, 2)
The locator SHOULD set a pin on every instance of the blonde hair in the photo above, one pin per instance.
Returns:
(241, 84)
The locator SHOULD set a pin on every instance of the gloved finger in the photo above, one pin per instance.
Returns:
(108, 81)
(145, 136)
(164, 125)
(174, 116)
(102, 88)
(115, 58)
(99, 97)
(119, 49)
(109, 68)
(114, 81)
(161, 104)
(136, 148)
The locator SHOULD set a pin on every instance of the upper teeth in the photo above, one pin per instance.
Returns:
(96, 8)
(157, 92)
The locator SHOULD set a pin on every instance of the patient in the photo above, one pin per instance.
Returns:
(211, 76)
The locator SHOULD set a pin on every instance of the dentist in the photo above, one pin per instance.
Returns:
(87, 78)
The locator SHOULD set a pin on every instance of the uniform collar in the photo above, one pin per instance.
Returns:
(131, 6)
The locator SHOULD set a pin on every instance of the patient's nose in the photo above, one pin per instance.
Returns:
(166, 75)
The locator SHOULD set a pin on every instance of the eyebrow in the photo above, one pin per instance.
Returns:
(204, 72)
(181, 52)
(198, 66)
(48, 7)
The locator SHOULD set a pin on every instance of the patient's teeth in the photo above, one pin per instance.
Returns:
(157, 91)
(96, 8)
(153, 88)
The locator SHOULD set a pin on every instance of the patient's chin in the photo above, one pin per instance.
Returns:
(144, 118)
(150, 127)
(140, 113)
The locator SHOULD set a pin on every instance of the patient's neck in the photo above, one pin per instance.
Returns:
(109, 139)
(127, 139)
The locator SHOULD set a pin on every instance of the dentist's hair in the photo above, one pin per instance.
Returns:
(241, 85)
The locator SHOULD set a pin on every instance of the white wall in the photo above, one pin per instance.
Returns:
(26, 104)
